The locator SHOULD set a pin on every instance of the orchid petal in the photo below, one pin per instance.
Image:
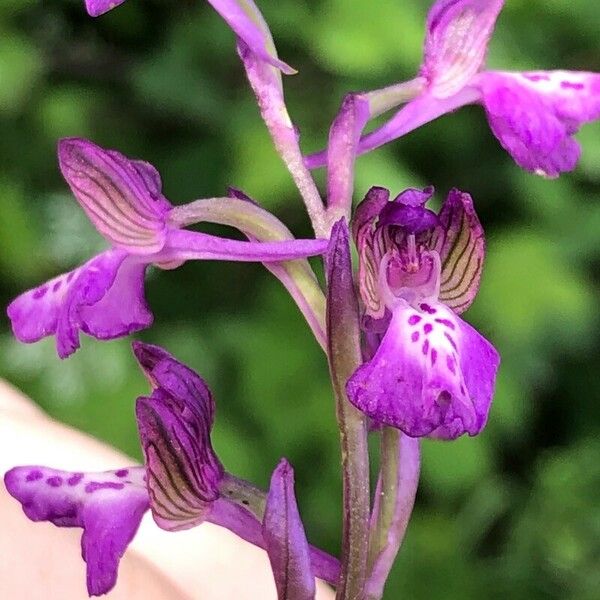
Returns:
(103, 298)
(371, 248)
(535, 115)
(108, 506)
(459, 241)
(174, 425)
(121, 197)
(95, 8)
(432, 373)
(248, 24)
(285, 539)
(407, 212)
(178, 380)
(458, 33)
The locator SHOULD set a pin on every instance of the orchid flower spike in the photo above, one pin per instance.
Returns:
(534, 115)
(183, 482)
(432, 373)
(104, 297)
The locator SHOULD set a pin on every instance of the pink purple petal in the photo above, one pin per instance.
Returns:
(95, 8)
(122, 197)
(371, 248)
(535, 115)
(103, 298)
(440, 382)
(458, 32)
(175, 424)
(108, 507)
(459, 240)
(245, 525)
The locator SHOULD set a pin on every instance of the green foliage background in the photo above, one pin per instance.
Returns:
(513, 513)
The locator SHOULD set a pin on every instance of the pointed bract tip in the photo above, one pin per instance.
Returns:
(285, 539)
(338, 243)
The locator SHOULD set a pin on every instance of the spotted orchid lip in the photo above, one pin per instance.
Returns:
(432, 374)
(108, 506)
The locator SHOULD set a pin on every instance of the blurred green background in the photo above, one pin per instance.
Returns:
(513, 513)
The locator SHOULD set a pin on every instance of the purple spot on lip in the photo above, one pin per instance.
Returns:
(569, 85)
(122, 472)
(428, 309)
(94, 486)
(427, 328)
(451, 365)
(75, 479)
(40, 292)
(70, 276)
(34, 475)
(57, 285)
(450, 339)
(445, 322)
(425, 348)
(415, 336)
(54, 481)
(433, 356)
(413, 319)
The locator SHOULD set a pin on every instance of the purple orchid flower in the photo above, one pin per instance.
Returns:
(183, 482)
(104, 297)
(432, 373)
(534, 115)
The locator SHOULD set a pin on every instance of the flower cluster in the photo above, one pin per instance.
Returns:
(403, 362)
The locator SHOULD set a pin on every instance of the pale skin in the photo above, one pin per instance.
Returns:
(39, 560)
